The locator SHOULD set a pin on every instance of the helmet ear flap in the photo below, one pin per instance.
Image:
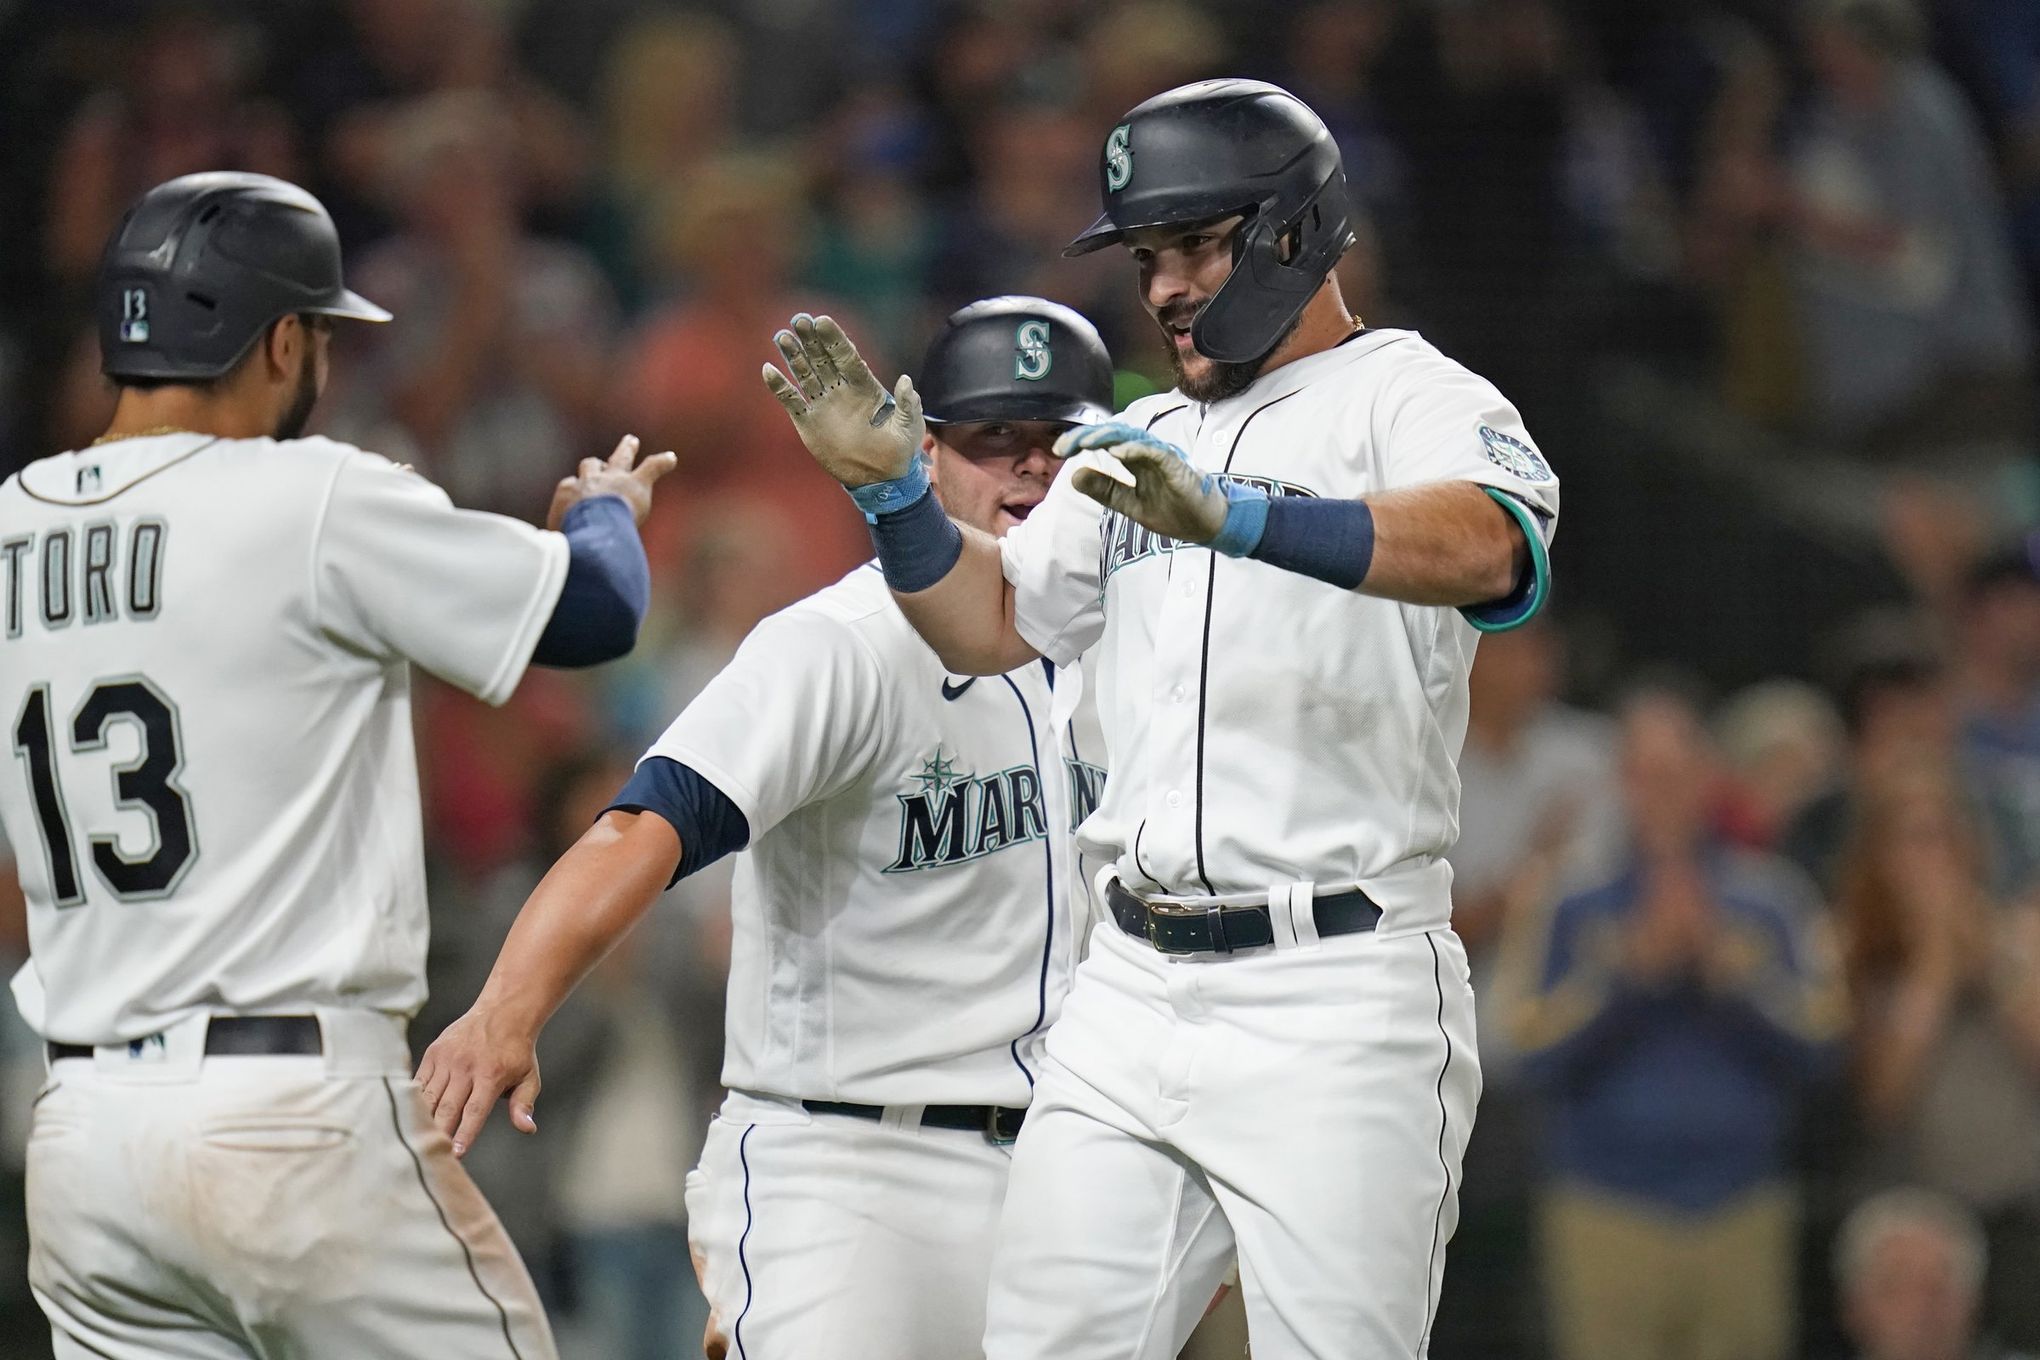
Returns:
(1276, 271)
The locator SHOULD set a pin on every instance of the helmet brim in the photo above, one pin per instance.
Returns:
(1006, 409)
(354, 306)
(1097, 236)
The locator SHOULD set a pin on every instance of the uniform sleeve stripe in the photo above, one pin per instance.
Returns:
(1523, 603)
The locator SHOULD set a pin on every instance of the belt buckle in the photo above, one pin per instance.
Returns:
(992, 1134)
(1158, 910)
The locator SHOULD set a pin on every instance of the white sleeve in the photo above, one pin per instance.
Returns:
(797, 716)
(1054, 560)
(1440, 422)
(398, 571)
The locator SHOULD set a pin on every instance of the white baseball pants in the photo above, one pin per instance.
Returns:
(832, 1236)
(182, 1207)
(1307, 1107)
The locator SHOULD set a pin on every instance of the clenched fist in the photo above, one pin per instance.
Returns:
(857, 431)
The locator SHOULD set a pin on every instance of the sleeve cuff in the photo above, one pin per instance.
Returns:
(1522, 604)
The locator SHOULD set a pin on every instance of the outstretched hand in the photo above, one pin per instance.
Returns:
(613, 476)
(474, 1063)
(859, 432)
(1146, 479)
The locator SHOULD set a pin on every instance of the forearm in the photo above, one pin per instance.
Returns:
(1446, 544)
(1894, 1047)
(967, 616)
(607, 590)
(586, 903)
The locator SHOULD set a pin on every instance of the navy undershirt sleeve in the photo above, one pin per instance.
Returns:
(607, 590)
(708, 823)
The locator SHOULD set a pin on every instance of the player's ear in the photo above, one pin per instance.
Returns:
(928, 457)
(280, 345)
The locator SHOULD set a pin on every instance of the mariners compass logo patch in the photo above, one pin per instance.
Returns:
(1513, 455)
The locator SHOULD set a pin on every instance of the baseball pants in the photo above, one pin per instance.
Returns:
(184, 1207)
(833, 1236)
(1307, 1107)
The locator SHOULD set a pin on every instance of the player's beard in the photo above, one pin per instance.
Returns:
(293, 421)
(1220, 380)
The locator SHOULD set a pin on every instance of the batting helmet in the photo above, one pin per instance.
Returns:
(201, 266)
(1202, 152)
(1016, 358)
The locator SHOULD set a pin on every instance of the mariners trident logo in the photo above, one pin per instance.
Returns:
(1030, 351)
(1118, 160)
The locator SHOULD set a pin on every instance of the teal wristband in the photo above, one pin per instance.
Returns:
(1246, 519)
(883, 498)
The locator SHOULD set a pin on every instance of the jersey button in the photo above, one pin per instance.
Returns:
(1177, 694)
(1175, 798)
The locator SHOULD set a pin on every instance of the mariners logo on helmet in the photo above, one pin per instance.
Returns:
(1118, 160)
(1031, 357)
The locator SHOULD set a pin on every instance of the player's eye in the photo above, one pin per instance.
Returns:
(1142, 255)
(1197, 240)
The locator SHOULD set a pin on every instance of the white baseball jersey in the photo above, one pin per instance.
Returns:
(207, 672)
(902, 930)
(1262, 727)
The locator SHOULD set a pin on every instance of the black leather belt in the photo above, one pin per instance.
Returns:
(998, 1123)
(1177, 929)
(234, 1036)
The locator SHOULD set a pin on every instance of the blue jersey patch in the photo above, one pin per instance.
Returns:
(1514, 456)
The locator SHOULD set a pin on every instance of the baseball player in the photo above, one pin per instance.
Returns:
(1275, 574)
(210, 625)
(903, 905)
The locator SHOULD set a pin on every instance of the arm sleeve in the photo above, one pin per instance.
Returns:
(708, 823)
(607, 589)
(795, 717)
(397, 571)
(1442, 422)
(1054, 560)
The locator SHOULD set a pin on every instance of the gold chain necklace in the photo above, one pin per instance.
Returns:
(149, 433)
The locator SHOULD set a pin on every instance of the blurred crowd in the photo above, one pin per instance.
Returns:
(1750, 866)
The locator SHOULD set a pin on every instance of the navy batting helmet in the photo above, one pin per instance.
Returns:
(1016, 358)
(203, 264)
(1203, 152)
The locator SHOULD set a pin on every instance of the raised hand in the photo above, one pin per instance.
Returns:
(618, 475)
(859, 432)
(1148, 480)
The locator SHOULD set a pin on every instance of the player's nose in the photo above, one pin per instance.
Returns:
(1039, 460)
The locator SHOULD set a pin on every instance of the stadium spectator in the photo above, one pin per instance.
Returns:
(1997, 679)
(1909, 302)
(1783, 745)
(1674, 1016)
(1909, 1268)
(364, 64)
(502, 359)
(1537, 805)
(186, 102)
(668, 95)
(731, 238)
(1895, 707)
(1944, 988)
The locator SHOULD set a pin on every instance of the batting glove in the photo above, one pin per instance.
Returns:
(1153, 483)
(860, 433)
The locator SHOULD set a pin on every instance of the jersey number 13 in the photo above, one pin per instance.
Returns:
(148, 784)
